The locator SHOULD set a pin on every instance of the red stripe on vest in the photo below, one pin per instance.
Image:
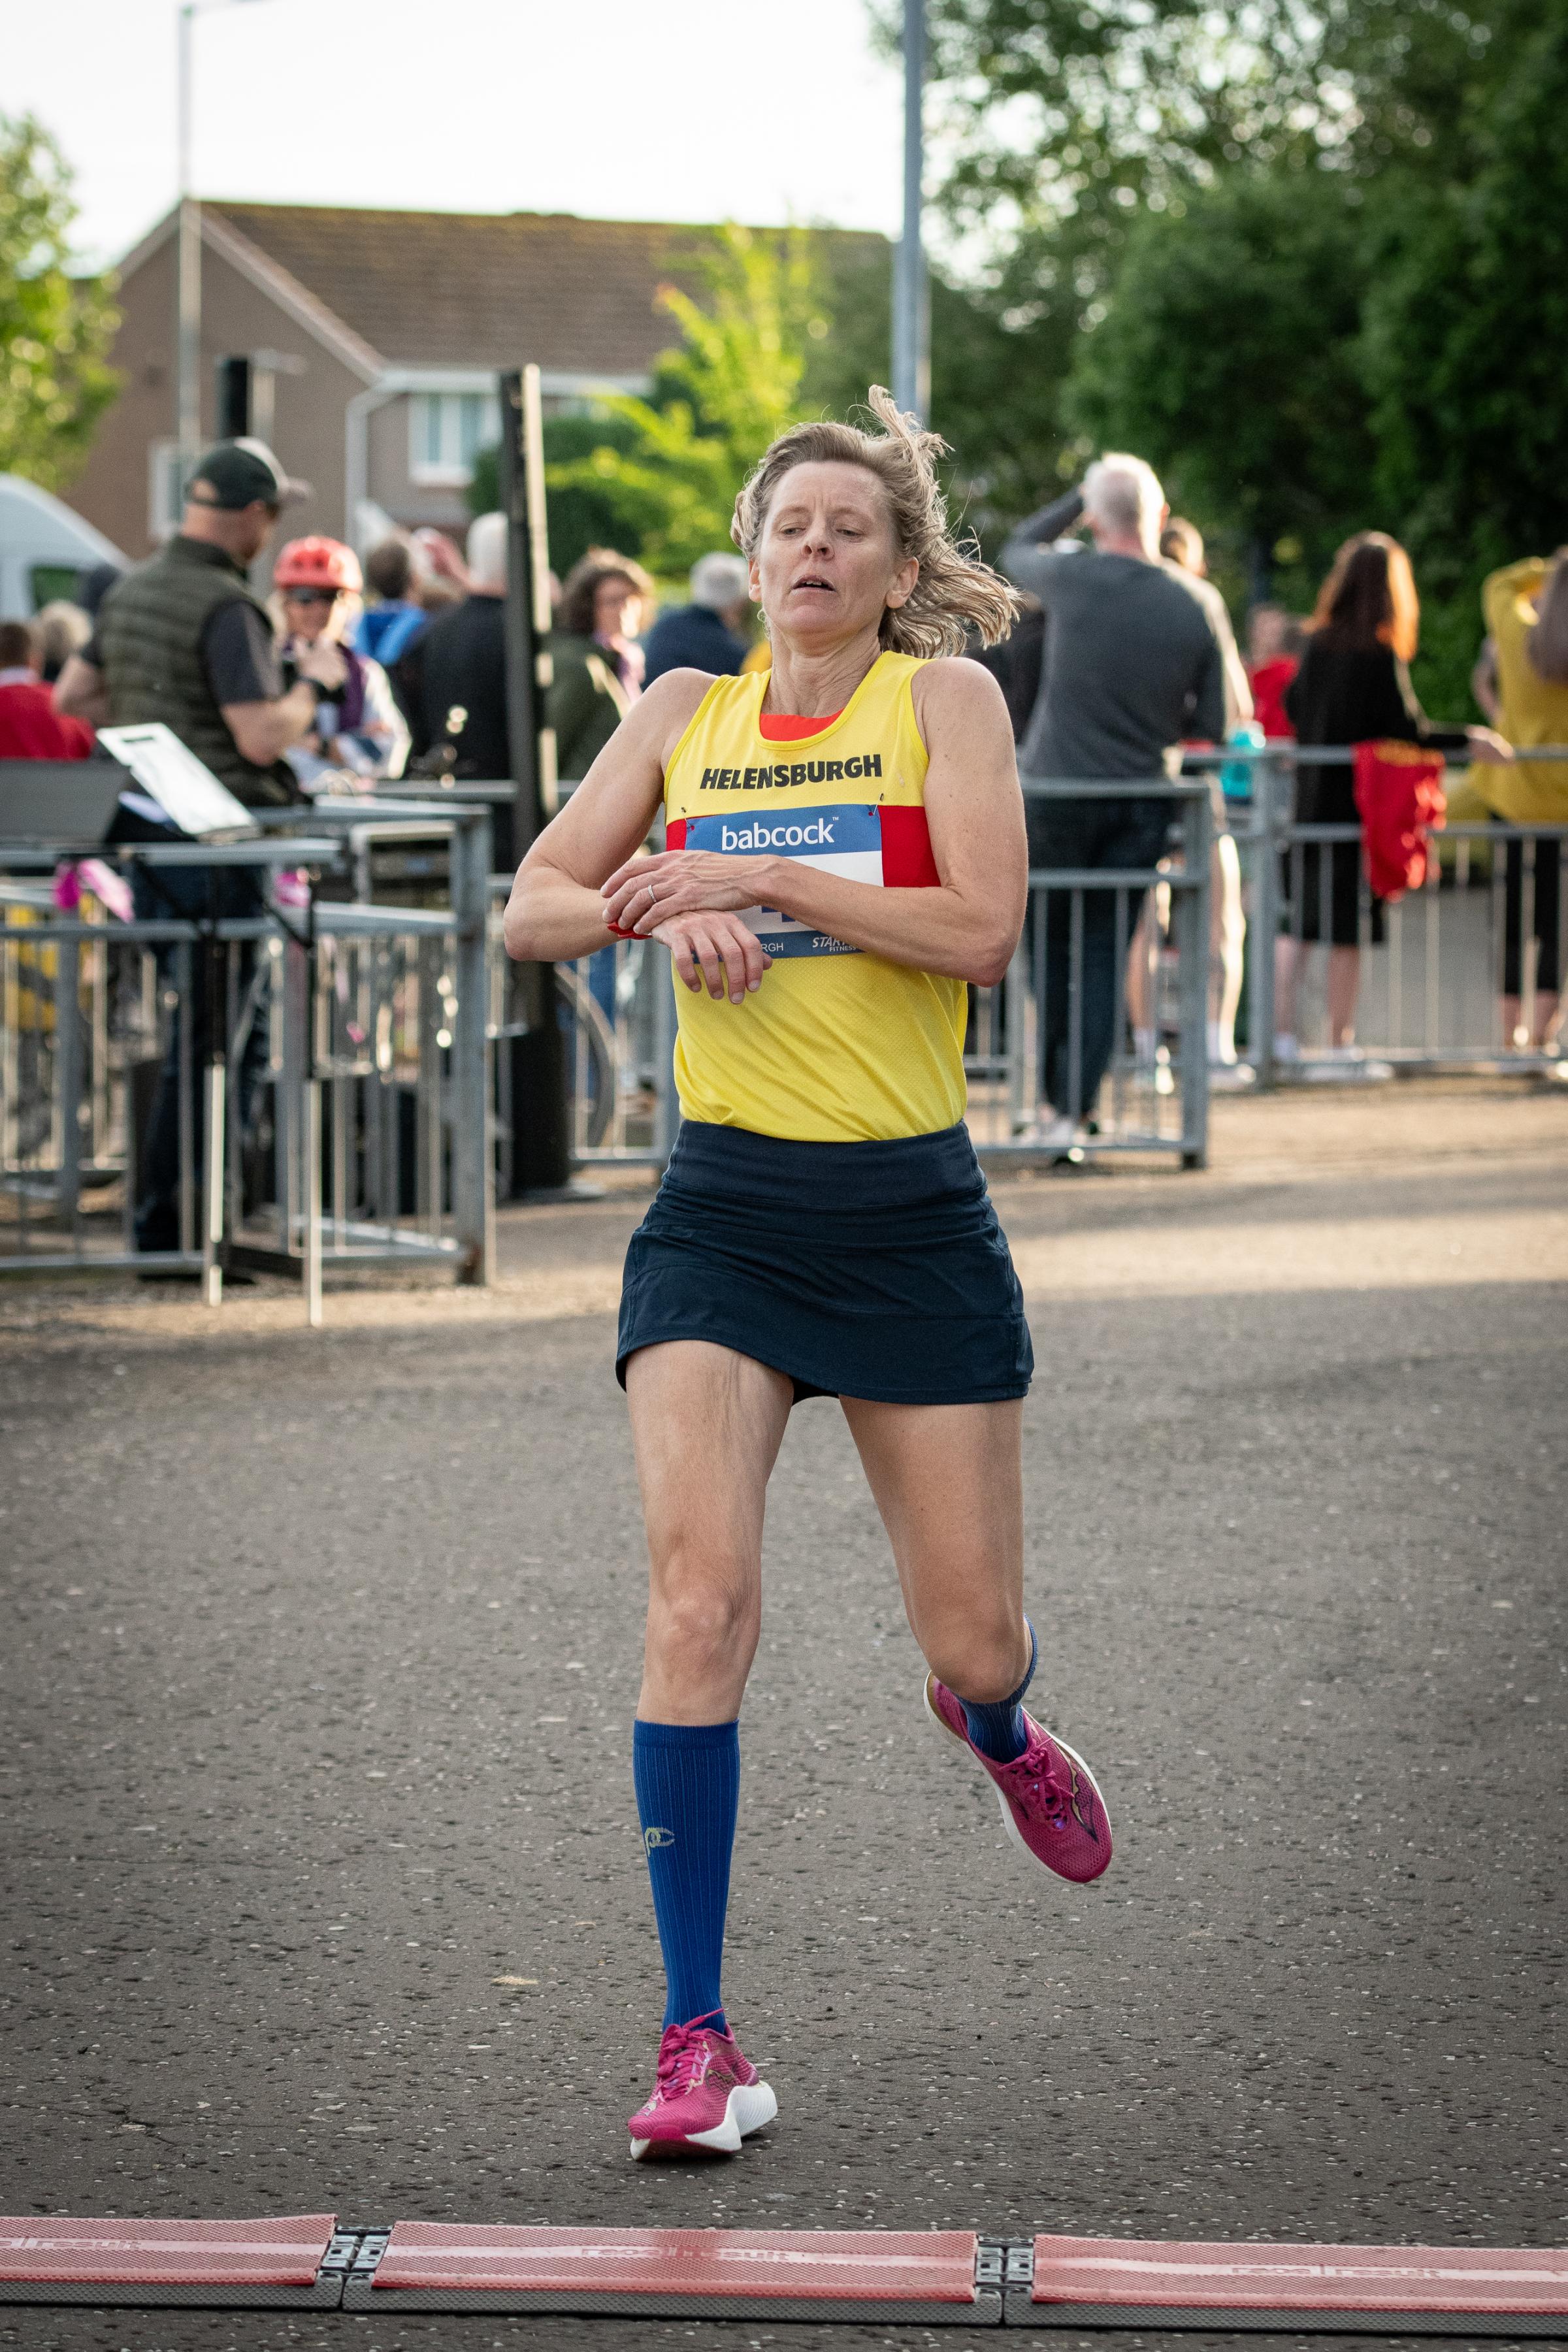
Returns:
(907, 861)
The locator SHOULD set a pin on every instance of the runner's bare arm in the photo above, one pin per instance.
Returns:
(556, 909)
(968, 928)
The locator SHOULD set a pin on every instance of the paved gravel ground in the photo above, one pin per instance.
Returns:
(318, 1652)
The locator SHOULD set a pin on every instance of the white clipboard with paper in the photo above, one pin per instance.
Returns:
(185, 793)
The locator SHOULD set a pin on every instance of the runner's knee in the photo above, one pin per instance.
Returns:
(702, 1622)
(983, 1655)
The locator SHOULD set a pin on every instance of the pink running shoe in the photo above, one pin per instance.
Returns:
(706, 2095)
(1048, 1797)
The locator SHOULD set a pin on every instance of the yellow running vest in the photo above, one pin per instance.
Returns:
(836, 1047)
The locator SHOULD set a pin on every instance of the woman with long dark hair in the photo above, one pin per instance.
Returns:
(1353, 687)
(598, 664)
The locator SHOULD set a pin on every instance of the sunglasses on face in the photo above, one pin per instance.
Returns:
(311, 596)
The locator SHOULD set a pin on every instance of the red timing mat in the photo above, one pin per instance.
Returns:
(1100, 2279)
(53, 2257)
(951, 2277)
(793, 2273)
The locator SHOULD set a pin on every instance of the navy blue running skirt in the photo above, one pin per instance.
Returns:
(870, 1270)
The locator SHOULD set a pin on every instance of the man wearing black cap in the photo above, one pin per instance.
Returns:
(185, 640)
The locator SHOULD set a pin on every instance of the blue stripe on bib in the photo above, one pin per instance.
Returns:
(846, 838)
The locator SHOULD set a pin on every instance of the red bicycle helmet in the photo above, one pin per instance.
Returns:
(318, 563)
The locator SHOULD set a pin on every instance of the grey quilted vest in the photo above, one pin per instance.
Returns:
(150, 634)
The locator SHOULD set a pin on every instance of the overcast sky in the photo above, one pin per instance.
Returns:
(637, 109)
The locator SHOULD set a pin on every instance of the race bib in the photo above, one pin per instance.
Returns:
(847, 840)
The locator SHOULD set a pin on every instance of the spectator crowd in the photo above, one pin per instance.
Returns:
(346, 675)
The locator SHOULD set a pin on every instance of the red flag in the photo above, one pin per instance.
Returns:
(1399, 792)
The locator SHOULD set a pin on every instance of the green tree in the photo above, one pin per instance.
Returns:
(580, 515)
(1467, 326)
(55, 329)
(1056, 128)
(1392, 355)
(1050, 110)
(1229, 356)
(720, 394)
(995, 368)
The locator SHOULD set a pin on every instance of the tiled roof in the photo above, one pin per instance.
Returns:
(481, 289)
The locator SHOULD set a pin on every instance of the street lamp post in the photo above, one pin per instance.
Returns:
(188, 296)
(911, 293)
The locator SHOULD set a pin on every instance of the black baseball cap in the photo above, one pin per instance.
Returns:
(238, 473)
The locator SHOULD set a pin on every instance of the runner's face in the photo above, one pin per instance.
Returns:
(827, 567)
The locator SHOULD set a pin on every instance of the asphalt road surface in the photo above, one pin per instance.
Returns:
(318, 1653)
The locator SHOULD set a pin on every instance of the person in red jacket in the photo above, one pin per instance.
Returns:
(30, 726)
(1275, 641)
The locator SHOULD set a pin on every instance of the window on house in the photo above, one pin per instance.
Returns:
(165, 490)
(447, 432)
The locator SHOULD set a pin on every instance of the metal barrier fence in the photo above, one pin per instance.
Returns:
(1033, 1056)
(340, 1119)
(1070, 973)
(616, 1009)
(1435, 969)
(1432, 994)
(349, 1114)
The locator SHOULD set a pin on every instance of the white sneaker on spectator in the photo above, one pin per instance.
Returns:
(1058, 1133)
(1346, 1065)
(1231, 1078)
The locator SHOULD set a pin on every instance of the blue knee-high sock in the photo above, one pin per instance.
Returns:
(996, 1726)
(687, 1778)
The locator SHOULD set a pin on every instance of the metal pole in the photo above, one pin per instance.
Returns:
(666, 1102)
(529, 672)
(1190, 918)
(541, 1140)
(473, 1172)
(188, 295)
(310, 1125)
(912, 292)
(311, 1253)
(217, 1076)
(1270, 804)
(69, 1079)
(1015, 994)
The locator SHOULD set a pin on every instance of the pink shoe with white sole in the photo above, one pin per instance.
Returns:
(707, 2094)
(1048, 1797)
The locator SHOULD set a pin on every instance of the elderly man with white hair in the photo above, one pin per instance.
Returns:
(706, 632)
(1136, 654)
(452, 680)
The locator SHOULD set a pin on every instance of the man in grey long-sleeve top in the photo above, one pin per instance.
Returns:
(1135, 660)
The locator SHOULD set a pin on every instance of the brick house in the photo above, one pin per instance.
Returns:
(375, 339)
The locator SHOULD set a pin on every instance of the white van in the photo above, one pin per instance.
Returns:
(43, 546)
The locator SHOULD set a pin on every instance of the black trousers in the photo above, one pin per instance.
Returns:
(1546, 853)
(191, 894)
(1109, 833)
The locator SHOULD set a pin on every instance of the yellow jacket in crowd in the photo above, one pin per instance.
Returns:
(1531, 711)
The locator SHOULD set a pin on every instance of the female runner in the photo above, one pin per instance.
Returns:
(845, 853)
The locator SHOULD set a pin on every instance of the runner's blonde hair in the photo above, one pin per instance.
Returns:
(955, 593)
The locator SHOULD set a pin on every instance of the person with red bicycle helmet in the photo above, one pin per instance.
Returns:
(359, 727)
